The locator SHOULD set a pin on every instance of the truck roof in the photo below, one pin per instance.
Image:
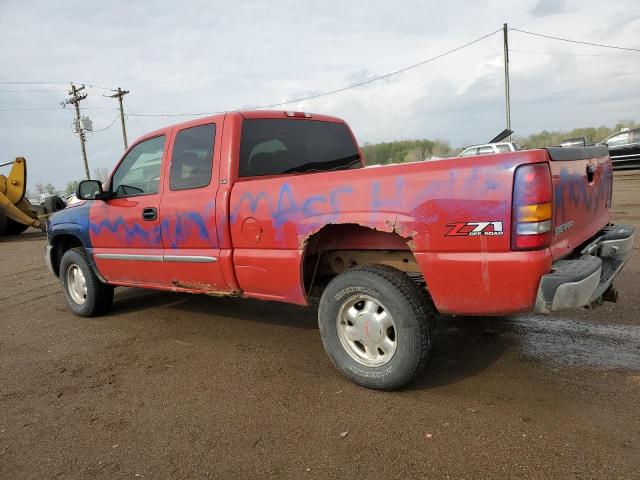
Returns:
(245, 114)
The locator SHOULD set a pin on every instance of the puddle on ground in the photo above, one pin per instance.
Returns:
(576, 342)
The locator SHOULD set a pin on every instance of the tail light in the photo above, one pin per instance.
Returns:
(531, 226)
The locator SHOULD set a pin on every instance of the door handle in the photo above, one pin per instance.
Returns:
(149, 213)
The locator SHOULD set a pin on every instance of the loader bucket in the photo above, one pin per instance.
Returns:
(16, 212)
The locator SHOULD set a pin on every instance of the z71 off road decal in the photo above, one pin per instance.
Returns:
(474, 229)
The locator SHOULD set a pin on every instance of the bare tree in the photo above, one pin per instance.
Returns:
(40, 188)
(50, 189)
(101, 174)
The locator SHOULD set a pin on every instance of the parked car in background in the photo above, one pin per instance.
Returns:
(574, 142)
(623, 146)
(624, 149)
(490, 148)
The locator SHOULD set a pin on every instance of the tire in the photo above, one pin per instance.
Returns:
(14, 228)
(95, 298)
(389, 354)
(53, 204)
(3, 223)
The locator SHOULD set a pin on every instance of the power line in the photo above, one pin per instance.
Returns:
(570, 54)
(330, 92)
(107, 127)
(66, 84)
(126, 105)
(380, 77)
(36, 109)
(32, 91)
(28, 109)
(34, 83)
(131, 114)
(630, 49)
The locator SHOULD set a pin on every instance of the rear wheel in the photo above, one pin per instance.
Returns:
(85, 294)
(377, 326)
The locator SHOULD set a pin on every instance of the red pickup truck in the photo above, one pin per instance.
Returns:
(280, 206)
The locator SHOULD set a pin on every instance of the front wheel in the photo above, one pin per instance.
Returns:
(85, 294)
(377, 326)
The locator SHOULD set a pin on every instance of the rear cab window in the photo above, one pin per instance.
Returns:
(272, 146)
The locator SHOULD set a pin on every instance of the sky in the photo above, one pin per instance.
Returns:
(209, 56)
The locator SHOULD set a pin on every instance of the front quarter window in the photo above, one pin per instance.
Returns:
(139, 171)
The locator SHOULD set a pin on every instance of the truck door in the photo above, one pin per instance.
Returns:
(125, 229)
(189, 237)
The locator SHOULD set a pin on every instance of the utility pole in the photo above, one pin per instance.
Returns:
(75, 100)
(121, 93)
(507, 95)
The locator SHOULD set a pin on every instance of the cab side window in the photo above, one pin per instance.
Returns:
(192, 158)
(469, 152)
(623, 138)
(139, 172)
(485, 150)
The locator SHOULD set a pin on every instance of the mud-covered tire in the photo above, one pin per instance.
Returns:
(14, 228)
(413, 319)
(93, 297)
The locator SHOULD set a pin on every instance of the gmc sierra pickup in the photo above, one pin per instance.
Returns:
(280, 206)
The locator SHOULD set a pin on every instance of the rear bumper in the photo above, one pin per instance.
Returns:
(578, 282)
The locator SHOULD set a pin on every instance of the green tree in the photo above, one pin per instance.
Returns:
(50, 189)
(404, 151)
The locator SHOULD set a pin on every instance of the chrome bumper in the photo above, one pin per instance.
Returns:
(579, 282)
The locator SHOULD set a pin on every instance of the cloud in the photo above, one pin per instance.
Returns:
(543, 8)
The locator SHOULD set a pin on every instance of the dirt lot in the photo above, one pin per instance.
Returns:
(178, 386)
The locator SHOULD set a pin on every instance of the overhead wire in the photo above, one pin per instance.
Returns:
(551, 37)
(571, 54)
(338, 90)
(108, 126)
(331, 92)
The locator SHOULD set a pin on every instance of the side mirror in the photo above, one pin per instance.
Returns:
(89, 190)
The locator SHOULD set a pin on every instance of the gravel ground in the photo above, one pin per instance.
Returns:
(180, 386)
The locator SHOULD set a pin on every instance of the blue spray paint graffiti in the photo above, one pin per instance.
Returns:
(130, 233)
(289, 209)
(573, 189)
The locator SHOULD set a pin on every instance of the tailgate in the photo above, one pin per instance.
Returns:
(582, 186)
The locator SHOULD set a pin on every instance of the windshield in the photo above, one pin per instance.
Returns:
(279, 146)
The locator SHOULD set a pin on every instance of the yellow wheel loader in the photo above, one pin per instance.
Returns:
(16, 212)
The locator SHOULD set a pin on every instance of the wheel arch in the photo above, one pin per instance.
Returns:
(335, 248)
(66, 240)
(60, 243)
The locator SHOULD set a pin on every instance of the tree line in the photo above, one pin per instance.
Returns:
(417, 150)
